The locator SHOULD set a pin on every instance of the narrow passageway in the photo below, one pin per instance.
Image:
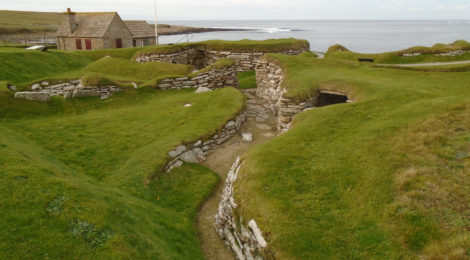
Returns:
(262, 125)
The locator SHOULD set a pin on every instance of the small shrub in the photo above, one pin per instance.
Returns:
(57, 205)
(87, 231)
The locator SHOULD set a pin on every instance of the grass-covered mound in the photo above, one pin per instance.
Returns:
(20, 66)
(272, 45)
(427, 54)
(81, 178)
(385, 177)
(23, 68)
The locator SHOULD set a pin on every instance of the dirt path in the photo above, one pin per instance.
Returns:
(428, 64)
(262, 125)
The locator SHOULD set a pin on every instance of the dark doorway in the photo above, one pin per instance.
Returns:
(325, 99)
(119, 43)
(88, 44)
(78, 44)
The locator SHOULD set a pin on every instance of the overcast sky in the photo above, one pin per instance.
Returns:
(259, 9)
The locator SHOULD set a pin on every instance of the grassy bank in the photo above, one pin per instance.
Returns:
(82, 178)
(12, 22)
(385, 177)
(427, 54)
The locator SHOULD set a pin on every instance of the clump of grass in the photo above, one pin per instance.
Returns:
(87, 231)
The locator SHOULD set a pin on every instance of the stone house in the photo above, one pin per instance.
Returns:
(100, 30)
(143, 34)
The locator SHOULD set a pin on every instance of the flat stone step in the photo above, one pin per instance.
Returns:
(263, 126)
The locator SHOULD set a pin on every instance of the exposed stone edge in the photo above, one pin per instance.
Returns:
(247, 243)
(195, 152)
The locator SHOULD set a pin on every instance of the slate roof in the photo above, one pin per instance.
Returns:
(89, 24)
(140, 29)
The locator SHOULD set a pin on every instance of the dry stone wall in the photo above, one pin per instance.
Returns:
(197, 151)
(212, 79)
(244, 61)
(247, 242)
(190, 57)
(269, 78)
(72, 89)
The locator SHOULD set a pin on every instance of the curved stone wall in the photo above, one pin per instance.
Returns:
(244, 61)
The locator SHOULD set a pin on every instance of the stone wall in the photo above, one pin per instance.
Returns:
(269, 78)
(244, 61)
(245, 242)
(212, 79)
(197, 151)
(72, 89)
(190, 57)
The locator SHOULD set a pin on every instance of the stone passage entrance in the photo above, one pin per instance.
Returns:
(325, 98)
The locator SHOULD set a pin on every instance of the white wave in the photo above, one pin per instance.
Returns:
(257, 29)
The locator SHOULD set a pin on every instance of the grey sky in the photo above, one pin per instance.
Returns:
(259, 9)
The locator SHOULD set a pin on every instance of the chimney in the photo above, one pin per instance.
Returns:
(70, 22)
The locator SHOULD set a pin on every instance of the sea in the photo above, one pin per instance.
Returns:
(359, 36)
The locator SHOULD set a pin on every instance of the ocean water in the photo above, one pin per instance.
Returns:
(360, 36)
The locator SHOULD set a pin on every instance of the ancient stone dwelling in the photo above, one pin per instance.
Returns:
(102, 30)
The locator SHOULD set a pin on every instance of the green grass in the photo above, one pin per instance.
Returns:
(247, 79)
(24, 66)
(272, 45)
(3, 86)
(26, 21)
(340, 52)
(82, 177)
(385, 177)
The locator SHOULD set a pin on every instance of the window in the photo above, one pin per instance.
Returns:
(119, 43)
(88, 44)
(134, 43)
(146, 42)
(78, 44)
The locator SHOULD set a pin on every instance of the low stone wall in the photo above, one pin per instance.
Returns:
(191, 56)
(72, 89)
(452, 53)
(245, 242)
(212, 79)
(197, 152)
(244, 61)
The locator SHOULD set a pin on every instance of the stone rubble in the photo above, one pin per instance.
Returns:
(246, 242)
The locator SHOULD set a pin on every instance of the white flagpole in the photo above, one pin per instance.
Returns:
(156, 28)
